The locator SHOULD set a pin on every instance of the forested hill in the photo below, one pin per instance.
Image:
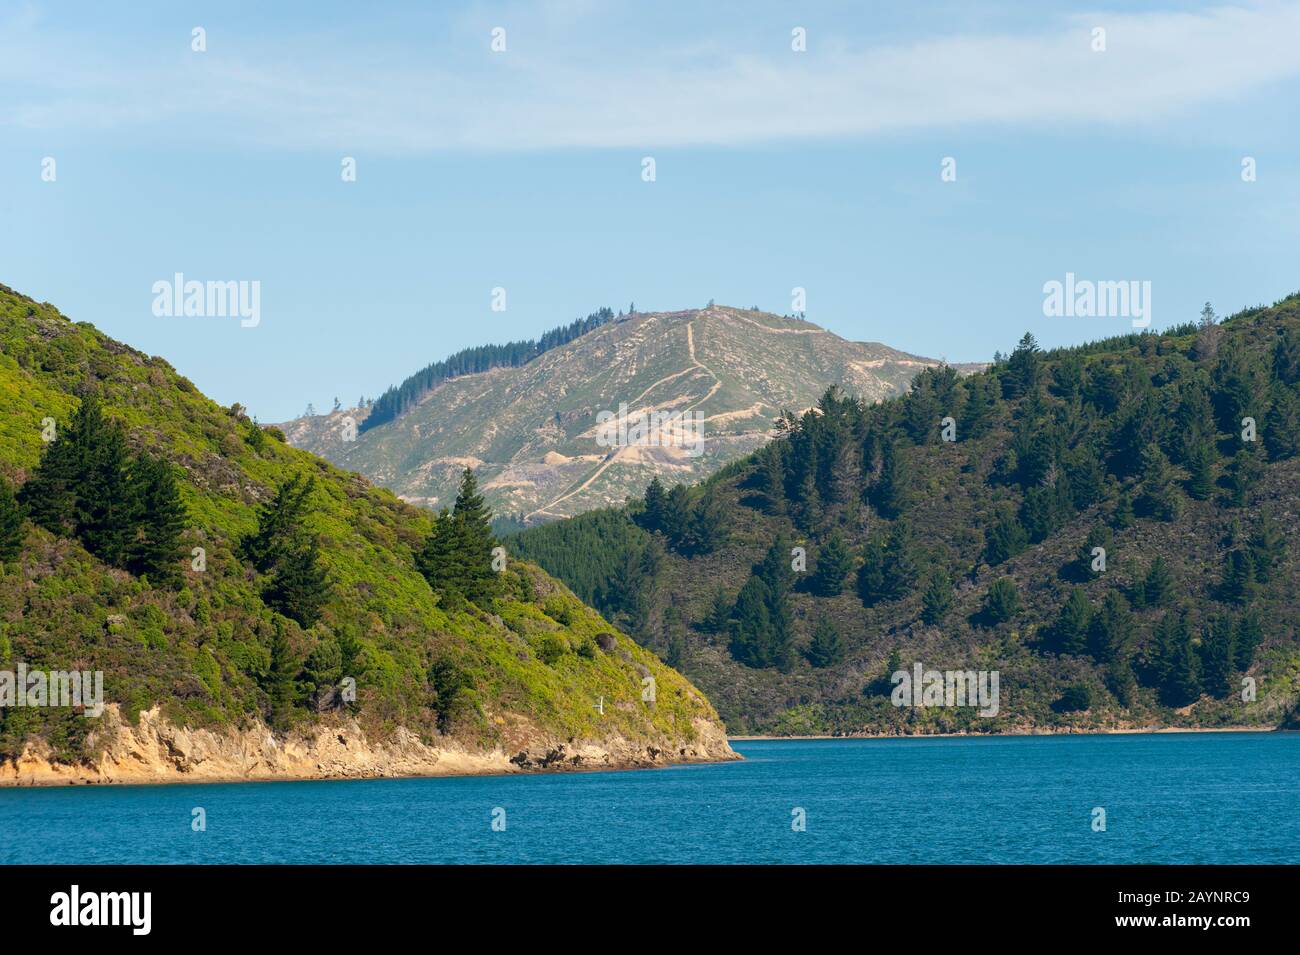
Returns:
(1106, 526)
(210, 570)
(398, 399)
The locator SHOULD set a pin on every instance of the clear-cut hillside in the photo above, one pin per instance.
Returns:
(532, 431)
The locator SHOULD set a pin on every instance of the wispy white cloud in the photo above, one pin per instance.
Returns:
(544, 95)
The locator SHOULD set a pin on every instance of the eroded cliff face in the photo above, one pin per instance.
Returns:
(156, 751)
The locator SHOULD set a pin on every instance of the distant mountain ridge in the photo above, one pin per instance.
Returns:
(399, 399)
(531, 429)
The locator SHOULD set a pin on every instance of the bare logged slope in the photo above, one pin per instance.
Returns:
(532, 430)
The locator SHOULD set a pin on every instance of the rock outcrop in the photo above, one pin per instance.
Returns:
(157, 751)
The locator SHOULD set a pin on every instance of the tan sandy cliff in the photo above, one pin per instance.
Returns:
(156, 751)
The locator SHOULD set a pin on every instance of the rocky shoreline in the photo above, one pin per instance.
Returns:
(155, 752)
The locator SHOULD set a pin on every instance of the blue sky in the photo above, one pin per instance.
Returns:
(522, 169)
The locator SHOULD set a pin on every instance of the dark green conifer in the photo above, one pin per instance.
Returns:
(1073, 623)
(826, 649)
(1267, 547)
(652, 517)
(1182, 684)
(156, 550)
(1249, 636)
(751, 626)
(1157, 585)
(299, 585)
(475, 541)
(937, 601)
(871, 574)
(1023, 369)
(1159, 498)
(720, 614)
(1201, 460)
(1111, 632)
(1001, 601)
(1218, 655)
(893, 486)
(1238, 584)
(11, 523)
(1005, 538)
(1241, 476)
(283, 548)
(833, 564)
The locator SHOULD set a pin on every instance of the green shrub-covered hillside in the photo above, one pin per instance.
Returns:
(206, 567)
(1110, 527)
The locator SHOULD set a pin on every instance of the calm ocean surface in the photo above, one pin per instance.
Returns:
(1171, 798)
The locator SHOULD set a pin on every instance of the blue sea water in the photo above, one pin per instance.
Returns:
(1170, 798)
